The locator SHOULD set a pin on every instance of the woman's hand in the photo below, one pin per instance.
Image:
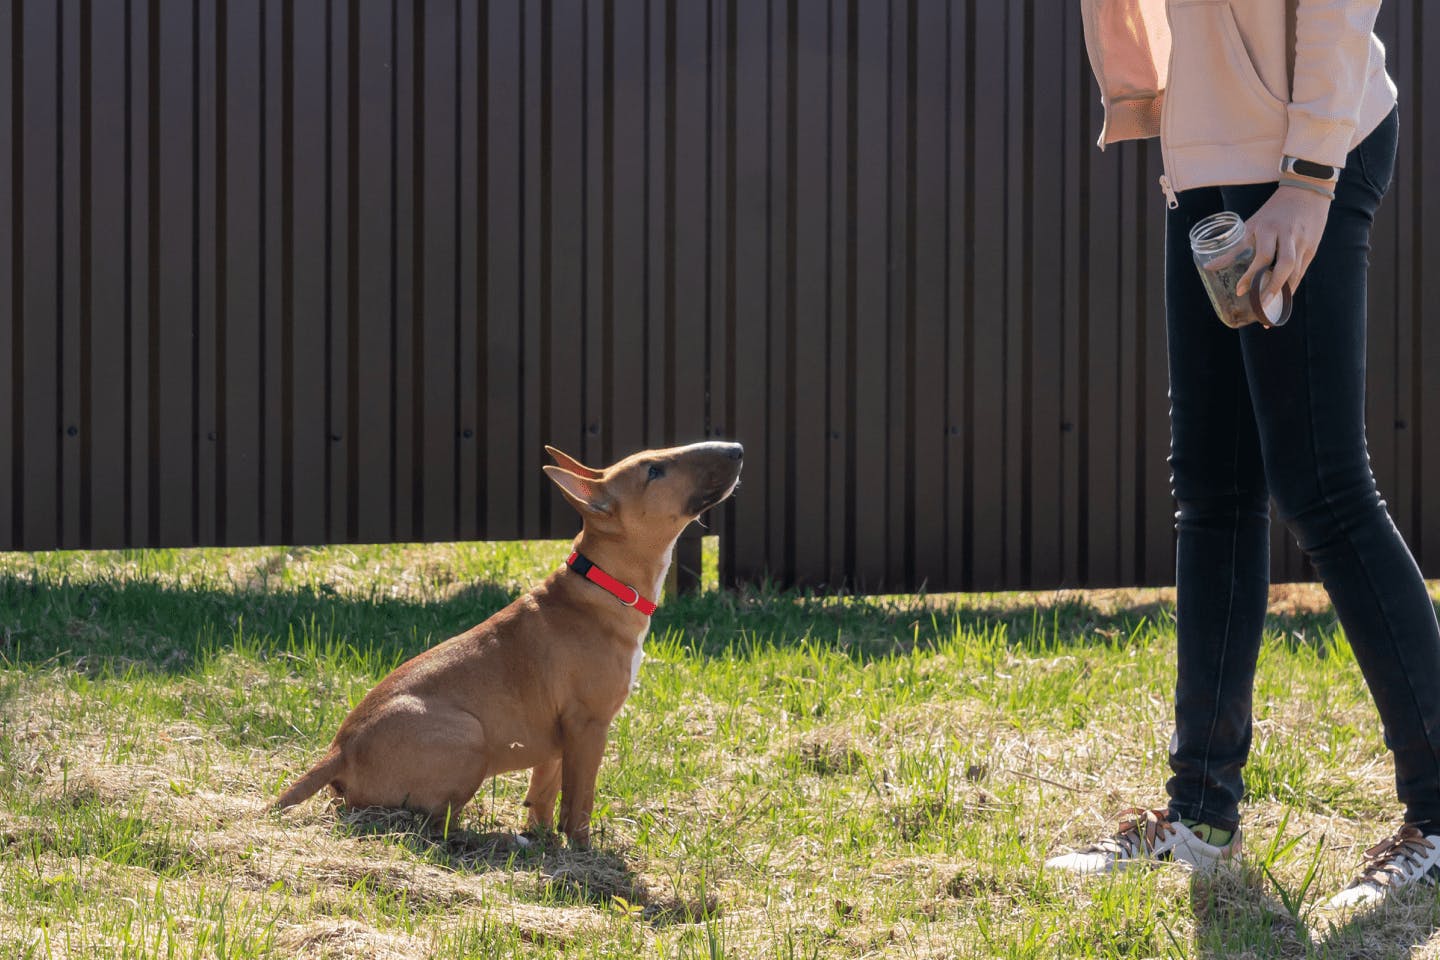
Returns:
(1286, 232)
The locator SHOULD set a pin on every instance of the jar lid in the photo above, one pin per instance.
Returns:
(1274, 312)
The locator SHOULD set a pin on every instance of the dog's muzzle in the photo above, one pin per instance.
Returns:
(704, 502)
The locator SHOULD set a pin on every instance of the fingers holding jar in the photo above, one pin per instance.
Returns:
(1285, 232)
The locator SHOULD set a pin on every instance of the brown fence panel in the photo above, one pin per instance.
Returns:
(278, 272)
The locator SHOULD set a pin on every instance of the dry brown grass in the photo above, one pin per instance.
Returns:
(321, 863)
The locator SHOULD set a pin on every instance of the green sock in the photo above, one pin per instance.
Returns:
(1211, 835)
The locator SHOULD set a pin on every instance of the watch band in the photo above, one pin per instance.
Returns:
(1313, 186)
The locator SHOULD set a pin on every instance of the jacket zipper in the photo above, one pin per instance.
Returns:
(1171, 200)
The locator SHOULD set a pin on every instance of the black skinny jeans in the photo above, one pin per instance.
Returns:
(1258, 413)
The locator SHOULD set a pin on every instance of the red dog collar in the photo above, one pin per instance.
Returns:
(623, 592)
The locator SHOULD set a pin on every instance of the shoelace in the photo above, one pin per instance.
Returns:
(1139, 831)
(1394, 858)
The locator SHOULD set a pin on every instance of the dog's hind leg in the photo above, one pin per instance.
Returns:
(544, 788)
(423, 759)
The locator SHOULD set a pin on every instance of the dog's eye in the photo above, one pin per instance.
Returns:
(656, 472)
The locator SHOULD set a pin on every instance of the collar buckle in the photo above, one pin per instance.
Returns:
(628, 595)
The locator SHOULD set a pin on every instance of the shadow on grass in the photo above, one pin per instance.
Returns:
(448, 846)
(118, 625)
(598, 877)
(867, 628)
(150, 625)
(1236, 914)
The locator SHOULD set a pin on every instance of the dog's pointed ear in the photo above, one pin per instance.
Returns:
(584, 493)
(568, 462)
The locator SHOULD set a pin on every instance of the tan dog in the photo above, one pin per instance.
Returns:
(538, 684)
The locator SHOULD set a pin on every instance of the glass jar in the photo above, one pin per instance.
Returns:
(1222, 255)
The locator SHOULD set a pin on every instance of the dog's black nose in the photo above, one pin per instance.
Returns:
(737, 452)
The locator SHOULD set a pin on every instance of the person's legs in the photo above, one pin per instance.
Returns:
(1292, 399)
(1222, 571)
(1307, 381)
(1222, 566)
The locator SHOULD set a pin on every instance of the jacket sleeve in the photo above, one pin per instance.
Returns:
(1332, 63)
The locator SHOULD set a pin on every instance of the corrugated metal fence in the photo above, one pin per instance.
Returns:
(277, 271)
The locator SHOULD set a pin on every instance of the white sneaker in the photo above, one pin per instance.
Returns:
(1146, 836)
(1409, 857)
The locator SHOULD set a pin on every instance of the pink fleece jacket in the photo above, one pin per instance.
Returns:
(1232, 86)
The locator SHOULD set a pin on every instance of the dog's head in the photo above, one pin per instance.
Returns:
(651, 496)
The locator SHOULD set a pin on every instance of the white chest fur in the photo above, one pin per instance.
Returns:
(655, 592)
(636, 658)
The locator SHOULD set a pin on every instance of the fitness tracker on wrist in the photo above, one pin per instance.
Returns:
(1299, 169)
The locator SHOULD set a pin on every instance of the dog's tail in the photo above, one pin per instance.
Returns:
(319, 776)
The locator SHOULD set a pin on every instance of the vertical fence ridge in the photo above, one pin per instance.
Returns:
(967, 511)
(1141, 465)
(152, 267)
(852, 98)
(457, 240)
(262, 487)
(908, 299)
(607, 230)
(1026, 306)
(670, 236)
(58, 426)
(287, 271)
(194, 278)
(646, 252)
(86, 268)
(418, 299)
(17, 274)
(125, 508)
(220, 305)
(951, 429)
(482, 253)
(352, 275)
(544, 225)
(392, 266)
(1425, 461)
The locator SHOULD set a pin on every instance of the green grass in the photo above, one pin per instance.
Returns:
(795, 777)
